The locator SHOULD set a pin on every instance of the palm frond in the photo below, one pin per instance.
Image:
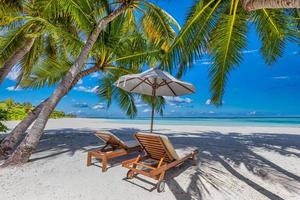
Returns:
(228, 38)
(13, 40)
(192, 39)
(47, 72)
(126, 103)
(106, 90)
(31, 58)
(159, 105)
(159, 26)
(271, 26)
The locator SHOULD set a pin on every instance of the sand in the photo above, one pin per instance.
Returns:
(253, 163)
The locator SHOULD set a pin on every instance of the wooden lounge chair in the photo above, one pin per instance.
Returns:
(161, 155)
(114, 147)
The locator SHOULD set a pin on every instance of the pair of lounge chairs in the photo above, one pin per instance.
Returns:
(157, 155)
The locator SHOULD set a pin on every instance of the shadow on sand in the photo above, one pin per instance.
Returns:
(215, 148)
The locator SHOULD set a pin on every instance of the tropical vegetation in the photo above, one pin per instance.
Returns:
(219, 29)
(62, 41)
(101, 57)
(18, 111)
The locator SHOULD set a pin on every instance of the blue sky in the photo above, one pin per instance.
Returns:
(253, 89)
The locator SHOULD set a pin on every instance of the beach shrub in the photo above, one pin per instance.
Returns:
(17, 111)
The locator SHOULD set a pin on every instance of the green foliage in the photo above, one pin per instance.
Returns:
(159, 26)
(272, 28)
(54, 25)
(10, 110)
(59, 114)
(125, 46)
(227, 40)
(219, 28)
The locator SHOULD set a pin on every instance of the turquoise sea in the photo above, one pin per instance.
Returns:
(217, 121)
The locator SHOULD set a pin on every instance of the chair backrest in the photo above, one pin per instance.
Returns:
(157, 146)
(111, 139)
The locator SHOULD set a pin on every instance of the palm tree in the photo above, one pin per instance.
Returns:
(31, 28)
(53, 28)
(219, 28)
(193, 40)
(151, 14)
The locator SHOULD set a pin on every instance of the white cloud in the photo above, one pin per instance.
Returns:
(252, 113)
(13, 75)
(206, 63)
(211, 112)
(96, 75)
(87, 89)
(13, 88)
(141, 105)
(80, 82)
(208, 102)
(99, 106)
(146, 110)
(174, 100)
(249, 51)
(137, 99)
(281, 77)
(79, 111)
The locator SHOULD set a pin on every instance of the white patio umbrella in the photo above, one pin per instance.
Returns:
(154, 82)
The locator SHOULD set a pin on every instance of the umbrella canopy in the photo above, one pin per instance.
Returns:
(154, 82)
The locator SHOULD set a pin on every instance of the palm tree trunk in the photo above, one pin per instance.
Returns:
(251, 5)
(9, 142)
(16, 56)
(30, 142)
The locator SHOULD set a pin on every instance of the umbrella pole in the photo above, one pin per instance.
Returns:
(152, 114)
(153, 104)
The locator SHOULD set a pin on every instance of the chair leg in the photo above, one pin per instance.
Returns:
(104, 164)
(160, 186)
(89, 159)
(161, 176)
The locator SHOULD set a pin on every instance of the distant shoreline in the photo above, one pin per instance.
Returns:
(200, 117)
(293, 122)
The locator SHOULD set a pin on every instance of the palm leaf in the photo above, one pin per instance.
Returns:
(160, 103)
(191, 40)
(271, 26)
(46, 73)
(159, 26)
(227, 40)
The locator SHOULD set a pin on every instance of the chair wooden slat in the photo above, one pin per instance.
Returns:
(156, 151)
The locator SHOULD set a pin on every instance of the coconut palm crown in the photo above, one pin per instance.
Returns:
(219, 28)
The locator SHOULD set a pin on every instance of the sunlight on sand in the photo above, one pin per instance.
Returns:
(234, 163)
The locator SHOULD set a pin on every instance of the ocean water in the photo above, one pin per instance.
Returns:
(218, 121)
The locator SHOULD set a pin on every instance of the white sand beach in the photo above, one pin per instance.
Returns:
(253, 163)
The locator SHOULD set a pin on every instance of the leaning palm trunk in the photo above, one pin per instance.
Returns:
(24, 150)
(15, 57)
(251, 5)
(9, 142)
